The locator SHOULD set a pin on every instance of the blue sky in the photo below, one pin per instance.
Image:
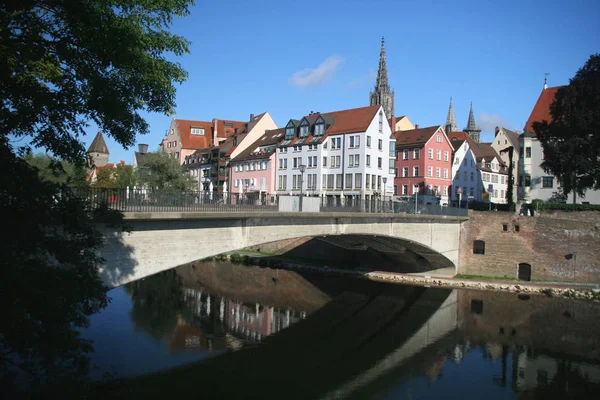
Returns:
(290, 58)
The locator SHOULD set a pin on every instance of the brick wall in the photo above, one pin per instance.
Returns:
(542, 241)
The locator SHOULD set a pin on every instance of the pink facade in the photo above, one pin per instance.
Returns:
(253, 175)
(424, 164)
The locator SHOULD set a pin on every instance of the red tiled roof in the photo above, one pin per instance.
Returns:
(353, 120)
(269, 138)
(541, 110)
(189, 141)
(228, 154)
(413, 137)
(225, 132)
(457, 136)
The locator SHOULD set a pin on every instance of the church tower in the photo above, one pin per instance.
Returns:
(471, 128)
(97, 154)
(381, 94)
(451, 125)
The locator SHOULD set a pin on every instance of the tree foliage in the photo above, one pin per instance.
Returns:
(160, 171)
(66, 63)
(61, 172)
(571, 141)
(118, 177)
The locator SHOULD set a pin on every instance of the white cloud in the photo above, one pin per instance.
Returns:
(309, 77)
(489, 122)
(364, 80)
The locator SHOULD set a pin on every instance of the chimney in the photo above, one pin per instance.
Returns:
(142, 148)
(417, 126)
(393, 124)
(251, 117)
(215, 131)
(496, 130)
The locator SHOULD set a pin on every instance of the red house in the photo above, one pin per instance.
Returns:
(423, 164)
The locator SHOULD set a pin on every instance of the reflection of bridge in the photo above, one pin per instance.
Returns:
(161, 241)
(358, 338)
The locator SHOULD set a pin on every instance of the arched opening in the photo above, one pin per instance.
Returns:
(524, 272)
(478, 247)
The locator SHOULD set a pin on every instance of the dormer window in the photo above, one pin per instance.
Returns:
(198, 131)
(289, 131)
(304, 130)
(319, 128)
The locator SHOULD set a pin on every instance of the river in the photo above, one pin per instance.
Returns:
(219, 330)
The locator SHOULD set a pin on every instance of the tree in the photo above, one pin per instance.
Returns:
(61, 172)
(571, 141)
(160, 171)
(117, 177)
(66, 64)
(511, 177)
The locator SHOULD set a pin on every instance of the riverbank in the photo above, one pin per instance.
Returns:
(525, 288)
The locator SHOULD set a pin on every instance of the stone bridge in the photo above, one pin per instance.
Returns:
(161, 241)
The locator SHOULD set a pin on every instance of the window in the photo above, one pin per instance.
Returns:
(505, 227)
(353, 160)
(324, 161)
(391, 166)
(336, 143)
(438, 172)
(438, 138)
(445, 156)
(380, 144)
(282, 182)
(379, 162)
(392, 149)
(354, 142)
(396, 172)
(445, 173)
(430, 154)
(367, 181)
(197, 131)
(525, 275)
(416, 154)
(368, 160)
(319, 129)
(404, 172)
(330, 178)
(526, 180)
(405, 154)
(445, 190)
(517, 228)
(471, 192)
(478, 247)
(289, 131)
(304, 130)
(325, 144)
(339, 181)
(380, 121)
(416, 171)
(395, 190)
(464, 175)
(295, 162)
(438, 154)
(415, 189)
(369, 142)
(476, 306)
(357, 181)
(430, 171)
(405, 190)
(527, 152)
(547, 181)
(348, 183)
(336, 161)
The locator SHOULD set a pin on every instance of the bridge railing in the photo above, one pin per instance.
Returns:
(147, 200)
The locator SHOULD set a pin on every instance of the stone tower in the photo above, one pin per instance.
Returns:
(97, 154)
(471, 129)
(451, 125)
(381, 94)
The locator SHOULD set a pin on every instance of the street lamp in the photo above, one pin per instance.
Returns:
(302, 168)
(384, 179)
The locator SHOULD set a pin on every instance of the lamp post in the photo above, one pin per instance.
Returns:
(302, 168)
(384, 179)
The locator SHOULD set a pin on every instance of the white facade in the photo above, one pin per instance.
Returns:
(483, 180)
(344, 164)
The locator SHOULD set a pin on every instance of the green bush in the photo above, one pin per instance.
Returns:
(567, 207)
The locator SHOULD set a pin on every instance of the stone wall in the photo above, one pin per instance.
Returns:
(559, 246)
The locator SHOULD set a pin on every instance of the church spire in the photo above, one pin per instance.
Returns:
(381, 94)
(451, 125)
(471, 128)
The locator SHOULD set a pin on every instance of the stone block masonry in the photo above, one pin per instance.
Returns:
(558, 247)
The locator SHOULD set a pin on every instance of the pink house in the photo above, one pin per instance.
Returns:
(423, 164)
(253, 170)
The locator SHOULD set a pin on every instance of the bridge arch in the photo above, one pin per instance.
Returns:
(158, 243)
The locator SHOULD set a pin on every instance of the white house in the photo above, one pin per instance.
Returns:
(477, 171)
(347, 154)
(534, 182)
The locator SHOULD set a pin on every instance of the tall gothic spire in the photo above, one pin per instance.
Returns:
(451, 125)
(381, 94)
(471, 128)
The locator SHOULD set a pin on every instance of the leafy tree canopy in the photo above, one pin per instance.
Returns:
(61, 172)
(160, 171)
(571, 141)
(120, 176)
(68, 62)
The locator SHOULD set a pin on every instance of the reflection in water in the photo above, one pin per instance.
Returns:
(308, 336)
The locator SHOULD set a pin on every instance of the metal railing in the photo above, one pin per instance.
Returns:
(147, 200)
